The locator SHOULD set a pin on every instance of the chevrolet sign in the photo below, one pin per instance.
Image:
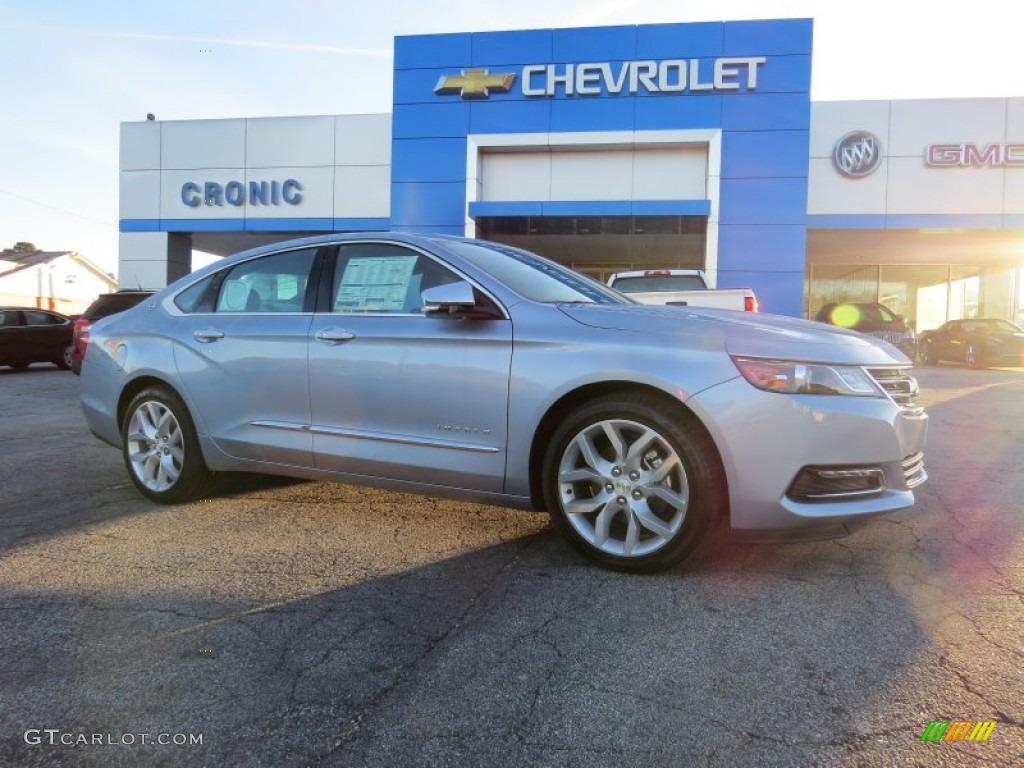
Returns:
(597, 78)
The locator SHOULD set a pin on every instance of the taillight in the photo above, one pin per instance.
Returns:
(80, 337)
(657, 272)
(749, 304)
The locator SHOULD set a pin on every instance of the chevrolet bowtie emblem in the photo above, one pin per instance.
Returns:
(475, 83)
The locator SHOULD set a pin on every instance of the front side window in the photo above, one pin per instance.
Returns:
(380, 277)
(275, 283)
(9, 318)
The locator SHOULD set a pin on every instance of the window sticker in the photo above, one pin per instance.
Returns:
(375, 284)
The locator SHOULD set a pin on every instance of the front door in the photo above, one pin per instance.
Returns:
(399, 394)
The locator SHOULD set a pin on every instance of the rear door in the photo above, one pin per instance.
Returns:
(399, 394)
(241, 350)
(12, 339)
(45, 335)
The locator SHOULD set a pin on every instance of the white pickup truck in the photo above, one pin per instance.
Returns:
(680, 288)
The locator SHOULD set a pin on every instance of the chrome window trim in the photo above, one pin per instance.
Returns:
(173, 309)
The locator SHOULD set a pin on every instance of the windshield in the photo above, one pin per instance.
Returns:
(534, 277)
(645, 284)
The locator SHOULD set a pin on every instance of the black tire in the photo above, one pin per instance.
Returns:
(925, 354)
(699, 473)
(193, 479)
(973, 357)
(64, 361)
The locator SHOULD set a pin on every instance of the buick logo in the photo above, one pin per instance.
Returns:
(857, 154)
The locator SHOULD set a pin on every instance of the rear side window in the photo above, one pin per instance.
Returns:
(201, 296)
(274, 283)
(113, 303)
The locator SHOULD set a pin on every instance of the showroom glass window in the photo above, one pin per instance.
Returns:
(274, 283)
(384, 278)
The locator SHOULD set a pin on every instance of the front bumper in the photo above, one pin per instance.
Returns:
(765, 439)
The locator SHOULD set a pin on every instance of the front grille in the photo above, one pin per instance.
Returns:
(913, 469)
(893, 337)
(899, 385)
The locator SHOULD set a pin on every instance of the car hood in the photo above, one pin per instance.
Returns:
(743, 333)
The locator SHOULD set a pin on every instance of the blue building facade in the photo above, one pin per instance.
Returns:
(740, 89)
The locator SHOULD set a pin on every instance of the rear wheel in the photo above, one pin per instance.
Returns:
(64, 363)
(628, 486)
(160, 447)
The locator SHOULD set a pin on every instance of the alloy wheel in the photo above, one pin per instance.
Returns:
(623, 488)
(156, 446)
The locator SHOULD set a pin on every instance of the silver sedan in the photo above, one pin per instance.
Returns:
(472, 370)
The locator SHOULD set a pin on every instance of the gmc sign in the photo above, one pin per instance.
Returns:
(974, 155)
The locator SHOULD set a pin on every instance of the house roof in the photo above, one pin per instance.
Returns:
(21, 260)
(11, 262)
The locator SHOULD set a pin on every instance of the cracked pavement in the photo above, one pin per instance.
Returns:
(297, 623)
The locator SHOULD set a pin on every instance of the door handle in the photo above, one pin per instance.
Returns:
(334, 335)
(208, 334)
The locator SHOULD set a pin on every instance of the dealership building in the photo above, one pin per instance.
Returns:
(614, 148)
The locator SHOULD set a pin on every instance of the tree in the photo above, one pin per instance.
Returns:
(23, 247)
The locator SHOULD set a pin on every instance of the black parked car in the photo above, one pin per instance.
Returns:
(105, 304)
(873, 319)
(978, 343)
(29, 335)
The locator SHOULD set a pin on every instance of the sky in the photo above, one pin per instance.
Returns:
(72, 71)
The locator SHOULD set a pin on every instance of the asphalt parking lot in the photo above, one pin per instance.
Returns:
(298, 623)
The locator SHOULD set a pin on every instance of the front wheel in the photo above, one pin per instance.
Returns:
(160, 447)
(631, 487)
(926, 355)
(972, 356)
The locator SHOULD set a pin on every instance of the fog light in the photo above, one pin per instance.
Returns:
(836, 483)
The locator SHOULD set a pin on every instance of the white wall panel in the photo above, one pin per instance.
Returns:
(140, 146)
(831, 120)
(362, 191)
(317, 193)
(362, 140)
(142, 260)
(202, 144)
(289, 141)
(600, 175)
(1015, 120)
(171, 206)
(670, 174)
(916, 124)
(829, 192)
(1013, 201)
(916, 188)
(139, 195)
(516, 176)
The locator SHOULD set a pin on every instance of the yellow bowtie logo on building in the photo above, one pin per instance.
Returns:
(475, 83)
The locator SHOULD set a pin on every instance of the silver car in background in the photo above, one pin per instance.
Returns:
(467, 369)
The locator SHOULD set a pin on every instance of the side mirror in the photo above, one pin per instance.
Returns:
(448, 299)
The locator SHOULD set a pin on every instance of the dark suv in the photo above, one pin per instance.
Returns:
(106, 304)
(873, 319)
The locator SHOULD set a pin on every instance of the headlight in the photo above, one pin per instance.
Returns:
(790, 377)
